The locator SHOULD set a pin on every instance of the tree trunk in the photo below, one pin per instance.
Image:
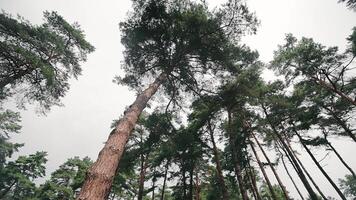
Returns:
(253, 180)
(320, 168)
(225, 192)
(341, 123)
(306, 172)
(235, 160)
(291, 178)
(341, 159)
(273, 194)
(272, 168)
(141, 181)
(299, 171)
(153, 189)
(191, 181)
(184, 185)
(100, 176)
(164, 180)
(197, 187)
(333, 89)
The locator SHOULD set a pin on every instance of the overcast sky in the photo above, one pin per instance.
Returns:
(93, 101)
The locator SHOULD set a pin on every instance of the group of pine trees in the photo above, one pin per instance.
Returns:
(214, 122)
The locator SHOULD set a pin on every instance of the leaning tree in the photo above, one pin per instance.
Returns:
(175, 43)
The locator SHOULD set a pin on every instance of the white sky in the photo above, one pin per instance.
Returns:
(81, 127)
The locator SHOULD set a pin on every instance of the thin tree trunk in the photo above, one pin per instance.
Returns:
(340, 158)
(306, 172)
(197, 187)
(253, 188)
(235, 160)
(291, 178)
(320, 168)
(101, 174)
(273, 194)
(153, 189)
(341, 123)
(144, 165)
(253, 180)
(184, 185)
(164, 180)
(299, 171)
(225, 192)
(191, 181)
(333, 89)
(272, 168)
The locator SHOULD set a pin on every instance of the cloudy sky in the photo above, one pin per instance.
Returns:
(82, 125)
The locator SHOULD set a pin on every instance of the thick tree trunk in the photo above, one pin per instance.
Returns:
(341, 159)
(165, 180)
(306, 171)
(235, 160)
(299, 171)
(333, 89)
(225, 192)
(291, 178)
(320, 168)
(341, 123)
(272, 168)
(100, 176)
(273, 194)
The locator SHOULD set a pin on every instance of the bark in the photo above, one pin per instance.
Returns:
(340, 158)
(153, 189)
(144, 166)
(291, 178)
(197, 187)
(341, 123)
(164, 180)
(334, 89)
(235, 160)
(225, 192)
(191, 181)
(253, 189)
(307, 173)
(184, 185)
(273, 194)
(101, 174)
(272, 168)
(254, 185)
(299, 171)
(321, 168)
(253, 181)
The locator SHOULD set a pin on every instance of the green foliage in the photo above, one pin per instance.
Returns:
(16, 177)
(39, 60)
(182, 39)
(266, 193)
(348, 185)
(66, 181)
